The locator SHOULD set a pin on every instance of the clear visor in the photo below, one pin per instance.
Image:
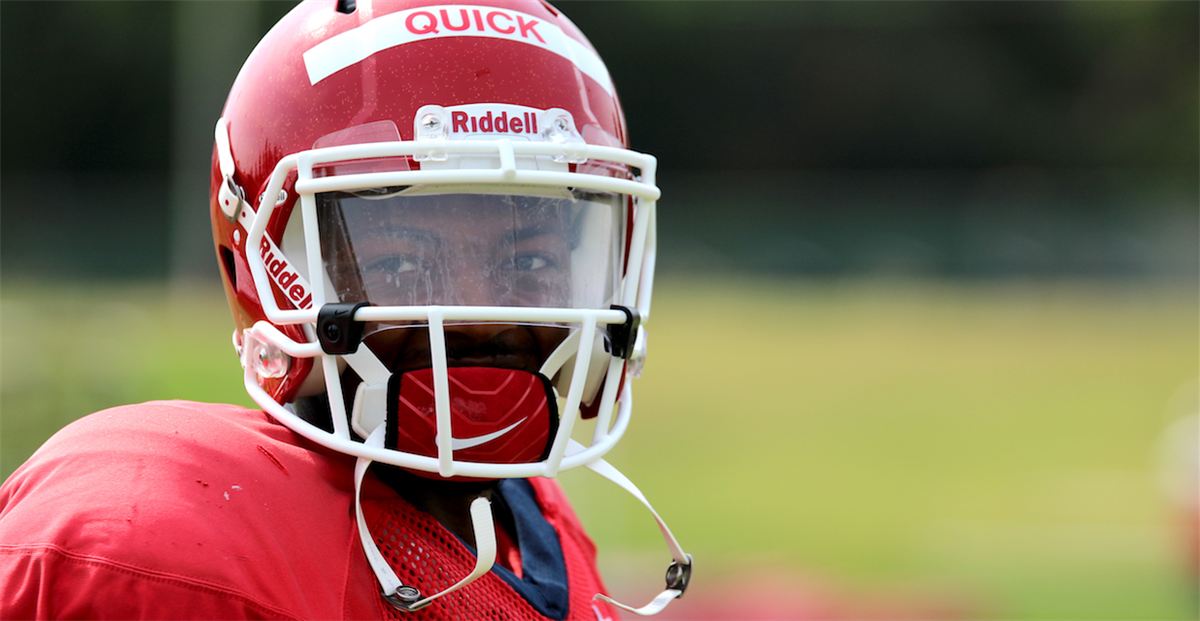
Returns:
(397, 247)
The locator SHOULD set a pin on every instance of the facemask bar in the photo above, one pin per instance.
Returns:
(265, 335)
(586, 321)
(266, 341)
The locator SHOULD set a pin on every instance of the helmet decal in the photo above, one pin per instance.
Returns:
(479, 120)
(422, 24)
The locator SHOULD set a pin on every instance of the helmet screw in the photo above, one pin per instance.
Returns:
(408, 594)
(430, 121)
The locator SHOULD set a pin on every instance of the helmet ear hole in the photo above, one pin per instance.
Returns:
(229, 265)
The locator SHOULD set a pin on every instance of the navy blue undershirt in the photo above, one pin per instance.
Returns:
(544, 570)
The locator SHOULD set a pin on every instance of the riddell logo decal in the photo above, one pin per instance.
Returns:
(455, 20)
(493, 119)
(285, 276)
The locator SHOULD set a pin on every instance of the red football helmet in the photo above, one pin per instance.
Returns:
(447, 128)
(428, 215)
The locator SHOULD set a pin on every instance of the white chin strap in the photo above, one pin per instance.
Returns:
(680, 571)
(399, 595)
(409, 599)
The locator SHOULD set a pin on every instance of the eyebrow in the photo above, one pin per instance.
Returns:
(424, 235)
(406, 233)
(531, 232)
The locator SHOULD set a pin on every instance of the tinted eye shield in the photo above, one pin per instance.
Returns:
(473, 249)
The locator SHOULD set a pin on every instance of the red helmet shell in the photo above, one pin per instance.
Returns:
(489, 51)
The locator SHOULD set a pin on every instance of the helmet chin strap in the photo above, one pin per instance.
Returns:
(409, 599)
(399, 595)
(679, 573)
(370, 398)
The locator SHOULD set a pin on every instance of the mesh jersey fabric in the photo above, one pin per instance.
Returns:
(427, 556)
(182, 510)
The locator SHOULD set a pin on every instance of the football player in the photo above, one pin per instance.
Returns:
(438, 252)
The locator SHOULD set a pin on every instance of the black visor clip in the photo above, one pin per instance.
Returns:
(622, 336)
(337, 329)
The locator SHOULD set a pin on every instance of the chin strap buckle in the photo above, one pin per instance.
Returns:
(678, 576)
(406, 599)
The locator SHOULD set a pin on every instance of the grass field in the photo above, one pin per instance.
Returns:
(991, 447)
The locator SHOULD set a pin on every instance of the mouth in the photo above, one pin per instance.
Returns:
(504, 347)
(521, 362)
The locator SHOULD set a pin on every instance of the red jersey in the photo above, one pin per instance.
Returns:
(181, 510)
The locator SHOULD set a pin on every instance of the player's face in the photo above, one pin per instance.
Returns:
(458, 250)
(449, 252)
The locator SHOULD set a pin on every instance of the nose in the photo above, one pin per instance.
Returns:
(476, 332)
(469, 281)
(493, 345)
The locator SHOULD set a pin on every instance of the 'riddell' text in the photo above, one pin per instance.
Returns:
(286, 278)
(462, 122)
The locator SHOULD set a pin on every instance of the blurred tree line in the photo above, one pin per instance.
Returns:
(856, 135)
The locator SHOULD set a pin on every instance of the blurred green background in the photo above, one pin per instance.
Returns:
(927, 296)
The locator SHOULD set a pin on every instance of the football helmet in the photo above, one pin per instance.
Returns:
(428, 217)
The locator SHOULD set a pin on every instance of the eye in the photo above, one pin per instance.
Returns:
(531, 262)
(396, 264)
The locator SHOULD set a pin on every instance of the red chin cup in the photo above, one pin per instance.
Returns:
(499, 416)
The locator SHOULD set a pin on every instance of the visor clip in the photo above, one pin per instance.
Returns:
(678, 576)
(622, 336)
(337, 329)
